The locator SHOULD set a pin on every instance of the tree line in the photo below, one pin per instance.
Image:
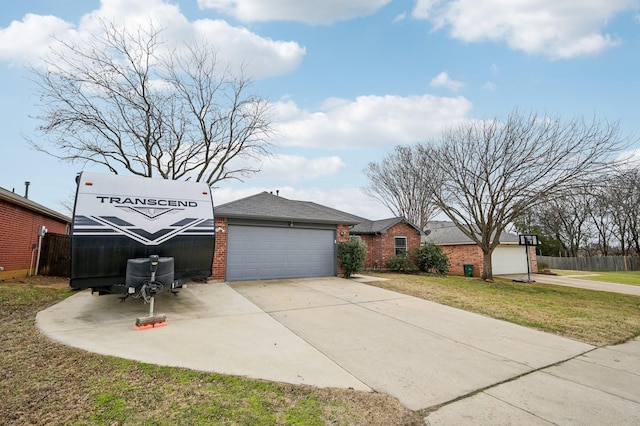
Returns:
(600, 218)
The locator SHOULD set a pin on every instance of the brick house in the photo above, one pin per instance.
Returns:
(266, 236)
(385, 239)
(508, 258)
(20, 219)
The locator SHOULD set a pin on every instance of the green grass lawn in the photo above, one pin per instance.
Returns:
(619, 277)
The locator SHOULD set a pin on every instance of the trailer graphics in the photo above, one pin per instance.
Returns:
(120, 218)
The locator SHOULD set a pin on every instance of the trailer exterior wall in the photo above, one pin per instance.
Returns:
(117, 218)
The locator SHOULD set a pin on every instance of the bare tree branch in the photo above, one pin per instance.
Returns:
(397, 182)
(122, 102)
(489, 173)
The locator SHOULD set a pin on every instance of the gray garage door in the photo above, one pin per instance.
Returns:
(255, 252)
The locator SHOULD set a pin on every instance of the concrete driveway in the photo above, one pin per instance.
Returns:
(577, 281)
(327, 332)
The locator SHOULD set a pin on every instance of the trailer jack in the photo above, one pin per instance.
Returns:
(148, 292)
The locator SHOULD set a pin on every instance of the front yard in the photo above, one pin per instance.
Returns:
(43, 382)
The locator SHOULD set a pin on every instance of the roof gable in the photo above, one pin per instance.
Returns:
(266, 206)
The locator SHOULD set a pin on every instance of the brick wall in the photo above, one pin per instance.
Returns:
(460, 255)
(220, 252)
(18, 234)
(342, 233)
(374, 254)
(381, 248)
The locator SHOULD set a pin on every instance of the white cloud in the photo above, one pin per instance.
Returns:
(27, 40)
(443, 80)
(350, 200)
(629, 159)
(24, 40)
(308, 11)
(557, 28)
(368, 121)
(296, 167)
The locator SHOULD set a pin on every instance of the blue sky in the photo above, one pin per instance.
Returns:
(350, 79)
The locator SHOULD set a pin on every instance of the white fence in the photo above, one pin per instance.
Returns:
(605, 263)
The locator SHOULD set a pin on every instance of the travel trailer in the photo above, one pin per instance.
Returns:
(136, 236)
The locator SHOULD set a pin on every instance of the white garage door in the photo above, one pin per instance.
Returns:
(256, 252)
(509, 260)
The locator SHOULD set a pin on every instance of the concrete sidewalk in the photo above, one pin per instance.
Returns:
(599, 388)
(576, 281)
(332, 332)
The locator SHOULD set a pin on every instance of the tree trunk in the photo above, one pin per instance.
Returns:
(487, 268)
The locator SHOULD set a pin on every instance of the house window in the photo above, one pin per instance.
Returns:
(401, 245)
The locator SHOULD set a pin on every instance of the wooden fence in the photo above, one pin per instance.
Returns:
(605, 263)
(55, 259)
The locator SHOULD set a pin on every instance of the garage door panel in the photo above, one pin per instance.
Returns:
(255, 252)
(509, 260)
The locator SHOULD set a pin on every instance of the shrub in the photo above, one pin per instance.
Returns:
(431, 258)
(401, 263)
(351, 255)
(542, 266)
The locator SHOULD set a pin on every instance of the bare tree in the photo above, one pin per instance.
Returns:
(128, 101)
(624, 201)
(600, 211)
(489, 173)
(398, 182)
(566, 217)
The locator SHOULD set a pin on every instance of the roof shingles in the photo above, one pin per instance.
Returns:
(266, 206)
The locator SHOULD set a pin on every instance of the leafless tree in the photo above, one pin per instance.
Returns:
(624, 204)
(488, 173)
(599, 208)
(567, 218)
(129, 101)
(398, 182)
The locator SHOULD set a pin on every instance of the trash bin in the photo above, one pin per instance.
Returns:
(468, 270)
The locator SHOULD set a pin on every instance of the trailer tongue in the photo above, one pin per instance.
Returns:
(135, 236)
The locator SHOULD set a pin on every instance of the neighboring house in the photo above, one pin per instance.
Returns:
(20, 219)
(266, 236)
(508, 257)
(385, 239)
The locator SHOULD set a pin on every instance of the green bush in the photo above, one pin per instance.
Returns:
(431, 258)
(542, 266)
(401, 263)
(351, 255)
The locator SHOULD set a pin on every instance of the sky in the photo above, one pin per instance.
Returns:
(348, 80)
